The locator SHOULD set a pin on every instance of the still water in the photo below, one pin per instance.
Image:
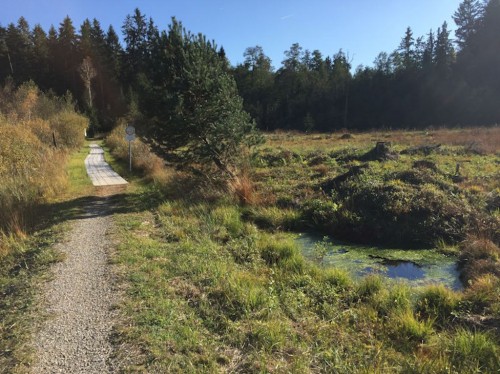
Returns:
(418, 267)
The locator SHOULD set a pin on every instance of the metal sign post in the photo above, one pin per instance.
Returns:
(130, 136)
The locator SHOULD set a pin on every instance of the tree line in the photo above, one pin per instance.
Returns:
(163, 76)
(429, 80)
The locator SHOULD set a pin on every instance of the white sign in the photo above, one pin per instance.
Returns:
(130, 137)
(130, 130)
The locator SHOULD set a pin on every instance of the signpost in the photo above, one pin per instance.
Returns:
(130, 136)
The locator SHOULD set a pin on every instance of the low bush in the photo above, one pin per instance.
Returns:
(31, 168)
(408, 208)
(69, 128)
(42, 129)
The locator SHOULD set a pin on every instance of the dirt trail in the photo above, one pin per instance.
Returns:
(75, 337)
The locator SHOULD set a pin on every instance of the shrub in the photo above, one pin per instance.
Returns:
(405, 208)
(69, 128)
(322, 214)
(41, 128)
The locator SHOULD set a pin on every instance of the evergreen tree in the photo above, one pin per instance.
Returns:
(205, 124)
(66, 57)
(255, 83)
(429, 52)
(85, 45)
(135, 31)
(292, 62)
(97, 37)
(467, 18)
(406, 54)
(444, 51)
(40, 57)
(19, 50)
(113, 52)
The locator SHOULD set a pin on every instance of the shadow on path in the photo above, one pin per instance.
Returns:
(105, 202)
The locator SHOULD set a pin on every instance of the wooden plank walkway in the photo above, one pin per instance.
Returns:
(99, 170)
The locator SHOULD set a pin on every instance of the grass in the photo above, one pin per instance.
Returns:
(437, 303)
(80, 184)
(216, 286)
(474, 352)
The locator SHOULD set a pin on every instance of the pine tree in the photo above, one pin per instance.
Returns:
(205, 125)
(429, 51)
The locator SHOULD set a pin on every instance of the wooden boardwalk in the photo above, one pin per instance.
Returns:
(99, 170)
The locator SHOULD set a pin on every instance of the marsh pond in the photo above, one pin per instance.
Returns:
(417, 267)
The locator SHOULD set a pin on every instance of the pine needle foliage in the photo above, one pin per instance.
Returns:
(198, 115)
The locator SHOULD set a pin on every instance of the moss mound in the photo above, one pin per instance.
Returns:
(410, 208)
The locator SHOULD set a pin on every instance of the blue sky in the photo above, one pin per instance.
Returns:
(362, 28)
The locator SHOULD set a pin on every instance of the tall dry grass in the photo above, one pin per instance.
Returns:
(484, 140)
(143, 159)
(31, 167)
(30, 173)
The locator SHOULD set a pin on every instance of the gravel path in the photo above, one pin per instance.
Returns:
(76, 336)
